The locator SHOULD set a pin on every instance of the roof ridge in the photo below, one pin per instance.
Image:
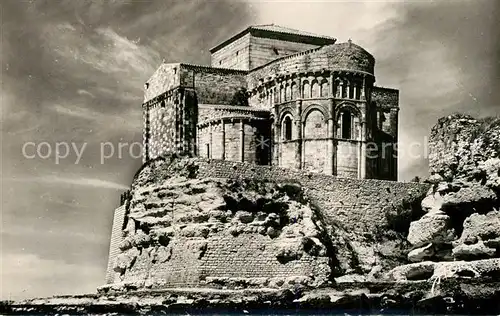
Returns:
(285, 29)
(277, 29)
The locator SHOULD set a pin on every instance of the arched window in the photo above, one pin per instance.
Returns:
(282, 94)
(306, 90)
(324, 88)
(348, 124)
(294, 91)
(315, 125)
(338, 88)
(346, 89)
(287, 128)
(315, 89)
(288, 95)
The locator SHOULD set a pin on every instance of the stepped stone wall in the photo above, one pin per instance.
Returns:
(116, 239)
(201, 222)
(359, 203)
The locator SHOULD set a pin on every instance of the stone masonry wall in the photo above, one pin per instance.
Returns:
(347, 159)
(387, 102)
(213, 85)
(116, 239)
(210, 140)
(344, 56)
(360, 208)
(183, 229)
(359, 201)
(166, 77)
(385, 97)
(161, 128)
(235, 55)
(218, 223)
(264, 50)
(315, 155)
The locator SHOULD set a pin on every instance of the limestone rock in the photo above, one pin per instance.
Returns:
(421, 254)
(244, 217)
(415, 271)
(428, 270)
(481, 227)
(475, 251)
(435, 178)
(474, 193)
(430, 229)
(433, 203)
(479, 237)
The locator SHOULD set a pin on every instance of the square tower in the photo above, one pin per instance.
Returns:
(259, 44)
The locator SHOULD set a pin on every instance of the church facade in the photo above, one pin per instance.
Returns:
(277, 96)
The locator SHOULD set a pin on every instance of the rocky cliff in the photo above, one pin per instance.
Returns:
(197, 223)
(237, 243)
(458, 237)
(462, 217)
(187, 231)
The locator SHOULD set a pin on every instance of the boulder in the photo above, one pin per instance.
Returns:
(427, 270)
(433, 203)
(480, 237)
(473, 252)
(421, 254)
(473, 193)
(481, 227)
(431, 229)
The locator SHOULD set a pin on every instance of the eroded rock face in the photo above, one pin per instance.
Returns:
(220, 232)
(435, 229)
(428, 270)
(480, 237)
(465, 169)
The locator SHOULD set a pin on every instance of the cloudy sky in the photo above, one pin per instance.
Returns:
(73, 72)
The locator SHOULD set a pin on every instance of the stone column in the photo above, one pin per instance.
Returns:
(242, 141)
(341, 116)
(223, 140)
(331, 86)
(363, 88)
(298, 133)
(301, 92)
(276, 132)
(362, 154)
(329, 148)
(210, 144)
(197, 149)
(348, 89)
(330, 162)
(184, 124)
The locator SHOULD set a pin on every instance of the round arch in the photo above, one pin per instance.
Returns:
(313, 107)
(314, 123)
(347, 106)
(348, 120)
(286, 126)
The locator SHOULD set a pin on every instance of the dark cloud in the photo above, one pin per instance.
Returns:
(73, 71)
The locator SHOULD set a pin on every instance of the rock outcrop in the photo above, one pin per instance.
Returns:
(222, 244)
(461, 220)
(186, 231)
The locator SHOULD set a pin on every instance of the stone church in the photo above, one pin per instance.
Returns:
(277, 96)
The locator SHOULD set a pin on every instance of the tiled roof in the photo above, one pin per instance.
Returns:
(281, 29)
